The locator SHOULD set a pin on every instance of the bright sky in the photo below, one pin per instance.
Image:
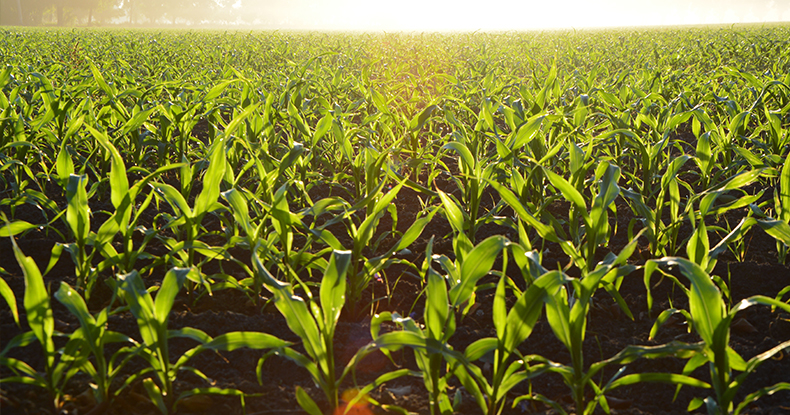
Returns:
(441, 15)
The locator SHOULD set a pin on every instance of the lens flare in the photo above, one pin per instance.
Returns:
(359, 408)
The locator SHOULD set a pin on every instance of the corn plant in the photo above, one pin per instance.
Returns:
(438, 362)
(593, 229)
(512, 328)
(474, 176)
(649, 155)
(315, 325)
(782, 203)
(711, 319)
(93, 336)
(362, 270)
(188, 222)
(252, 231)
(127, 212)
(662, 236)
(432, 355)
(9, 230)
(567, 315)
(60, 364)
(429, 354)
(152, 320)
(78, 219)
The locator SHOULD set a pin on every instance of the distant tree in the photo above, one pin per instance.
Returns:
(171, 11)
(108, 10)
(25, 12)
(11, 12)
(150, 10)
(89, 5)
(96, 11)
(197, 11)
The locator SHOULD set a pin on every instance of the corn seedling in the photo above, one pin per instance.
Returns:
(593, 229)
(567, 316)
(93, 336)
(512, 328)
(315, 325)
(60, 364)
(711, 319)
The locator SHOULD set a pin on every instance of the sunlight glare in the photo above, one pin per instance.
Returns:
(470, 15)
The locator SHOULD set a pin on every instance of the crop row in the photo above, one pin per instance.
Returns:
(273, 164)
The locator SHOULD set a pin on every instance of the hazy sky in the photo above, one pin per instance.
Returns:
(506, 14)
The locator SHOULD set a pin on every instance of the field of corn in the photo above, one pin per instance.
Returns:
(271, 223)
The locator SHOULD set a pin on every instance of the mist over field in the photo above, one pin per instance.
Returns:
(378, 15)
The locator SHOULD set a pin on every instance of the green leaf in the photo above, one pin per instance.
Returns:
(671, 378)
(141, 305)
(453, 213)
(500, 309)
(738, 122)
(10, 299)
(323, 127)
(414, 231)
(467, 159)
(294, 309)
(778, 229)
(784, 192)
(705, 303)
(662, 318)
(231, 128)
(171, 284)
(293, 113)
(545, 231)
(36, 302)
(306, 402)
(212, 179)
(290, 158)
(759, 299)
(609, 190)
(174, 198)
(97, 76)
(698, 246)
(379, 101)
(136, 121)
(673, 169)
(525, 312)
(119, 183)
(240, 210)
(527, 132)
(437, 308)
(155, 395)
(475, 266)
(420, 120)
(567, 190)
(694, 404)
(77, 211)
(15, 228)
(480, 348)
(333, 287)
(742, 179)
(250, 339)
(368, 226)
(766, 391)
(76, 305)
(63, 165)
(558, 314)
(217, 90)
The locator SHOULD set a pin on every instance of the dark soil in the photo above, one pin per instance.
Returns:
(609, 331)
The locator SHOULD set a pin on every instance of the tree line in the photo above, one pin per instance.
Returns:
(105, 12)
